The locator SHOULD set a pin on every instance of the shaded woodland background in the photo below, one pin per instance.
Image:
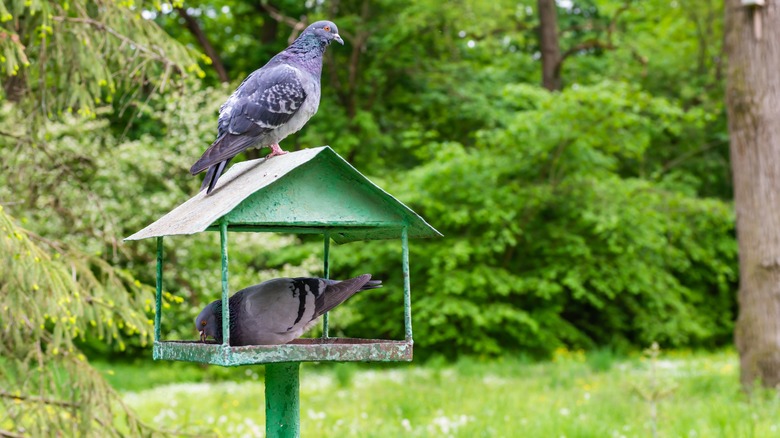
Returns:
(592, 212)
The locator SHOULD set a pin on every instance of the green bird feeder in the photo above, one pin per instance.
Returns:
(313, 191)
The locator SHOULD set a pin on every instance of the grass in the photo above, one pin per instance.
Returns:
(574, 395)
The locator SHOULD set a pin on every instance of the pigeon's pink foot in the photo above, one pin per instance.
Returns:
(275, 150)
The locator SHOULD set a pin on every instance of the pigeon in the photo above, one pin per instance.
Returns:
(279, 310)
(272, 102)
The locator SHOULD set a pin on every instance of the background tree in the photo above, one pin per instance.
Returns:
(753, 102)
(61, 59)
(548, 43)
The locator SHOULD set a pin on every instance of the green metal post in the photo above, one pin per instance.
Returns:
(407, 284)
(282, 403)
(225, 308)
(158, 301)
(326, 273)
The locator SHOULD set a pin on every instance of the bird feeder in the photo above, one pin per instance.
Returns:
(313, 191)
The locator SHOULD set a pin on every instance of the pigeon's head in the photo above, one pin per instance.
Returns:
(206, 322)
(325, 31)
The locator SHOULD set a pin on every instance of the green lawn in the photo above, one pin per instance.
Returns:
(575, 395)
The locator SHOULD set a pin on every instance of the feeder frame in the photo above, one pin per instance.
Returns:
(277, 196)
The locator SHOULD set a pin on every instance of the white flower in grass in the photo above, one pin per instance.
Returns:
(314, 415)
(254, 428)
(406, 424)
(565, 412)
(447, 424)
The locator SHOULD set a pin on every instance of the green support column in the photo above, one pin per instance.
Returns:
(407, 284)
(225, 289)
(158, 298)
(326, 273)
(282, 403)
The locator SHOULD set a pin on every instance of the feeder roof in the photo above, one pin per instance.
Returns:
(308, 191)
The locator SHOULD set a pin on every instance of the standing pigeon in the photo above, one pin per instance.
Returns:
(272, 102)
(278, 311)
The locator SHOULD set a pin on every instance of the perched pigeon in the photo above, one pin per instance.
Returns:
(272, 102)
(278, 311)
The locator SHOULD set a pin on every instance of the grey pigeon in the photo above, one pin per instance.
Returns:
(272, 102)
(279, 310)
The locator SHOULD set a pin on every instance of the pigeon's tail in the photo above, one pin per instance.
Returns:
(372, 284)
(339, 291)
(225, 147)
(212, 176)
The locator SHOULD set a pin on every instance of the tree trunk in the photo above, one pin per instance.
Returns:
(753, 101)
(548, 43)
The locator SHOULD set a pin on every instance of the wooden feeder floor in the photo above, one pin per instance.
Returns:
(299, 350)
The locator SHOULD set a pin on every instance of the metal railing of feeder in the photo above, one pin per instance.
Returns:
(301, 350)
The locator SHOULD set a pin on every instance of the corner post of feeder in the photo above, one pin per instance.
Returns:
(407, 283)
(225, 309)
(282, 400)
(158, 297)
(326, 274)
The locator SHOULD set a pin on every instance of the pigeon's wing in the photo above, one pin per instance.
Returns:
(336, 292)
(266, 100)
(281, 305)
(289, 304)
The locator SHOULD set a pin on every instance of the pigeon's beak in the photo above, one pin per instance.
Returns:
(338, 38)
(202, 336)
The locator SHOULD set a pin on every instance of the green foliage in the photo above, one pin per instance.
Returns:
(75, 55)
(552, 237)
(117, 186)
(58, 287)
(49, 296)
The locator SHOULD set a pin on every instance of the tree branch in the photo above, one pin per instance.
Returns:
(34, 399)
(585, 45)
(208, 48)
(596, 43)
(683, 157)
(296, 25)
(8, 134)
(158, 56)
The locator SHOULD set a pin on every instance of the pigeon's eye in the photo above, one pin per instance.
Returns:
(203, 323)
(327, 28)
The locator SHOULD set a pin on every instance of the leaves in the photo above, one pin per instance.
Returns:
(50, 296)
(553, 237)
(99, 51)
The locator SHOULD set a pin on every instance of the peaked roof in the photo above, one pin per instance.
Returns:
(308, 191)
